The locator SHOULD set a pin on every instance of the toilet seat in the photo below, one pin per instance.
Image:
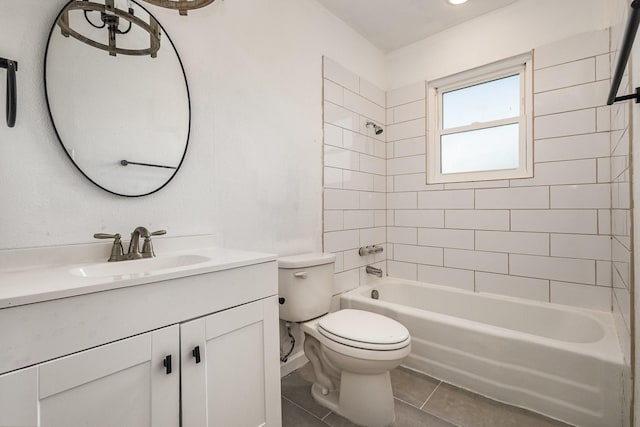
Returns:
(364, 329)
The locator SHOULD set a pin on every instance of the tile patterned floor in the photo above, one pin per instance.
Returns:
(420, 401)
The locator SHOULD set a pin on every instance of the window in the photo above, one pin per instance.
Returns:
(480, 123)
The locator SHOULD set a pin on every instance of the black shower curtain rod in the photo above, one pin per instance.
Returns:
(623, 56)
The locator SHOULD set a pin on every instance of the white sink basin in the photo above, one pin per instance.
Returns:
(139, 266)
(34, 275)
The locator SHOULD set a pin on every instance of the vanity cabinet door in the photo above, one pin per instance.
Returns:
(124, 383)
(19, 398)
(230, 368)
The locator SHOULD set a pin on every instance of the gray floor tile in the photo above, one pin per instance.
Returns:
(293, 416)
(297, 388)
(406, 416)
(335, 420)
(412, 387)
(467, 409)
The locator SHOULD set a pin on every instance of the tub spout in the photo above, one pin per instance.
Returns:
(375, 271)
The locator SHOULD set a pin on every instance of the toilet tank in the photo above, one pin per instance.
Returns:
(305, 285)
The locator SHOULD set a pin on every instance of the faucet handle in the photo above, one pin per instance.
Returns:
(147, 247)
(117, 252)
(106, 236)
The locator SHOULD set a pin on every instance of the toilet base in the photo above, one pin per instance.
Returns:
(366, 400)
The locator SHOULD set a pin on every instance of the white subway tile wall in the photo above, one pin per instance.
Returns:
(515, 286)
(355, 184)
(576, 48)
(562, 236)
(545, 238)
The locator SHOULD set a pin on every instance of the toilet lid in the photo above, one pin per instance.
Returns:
(306, 260)
(364, 329)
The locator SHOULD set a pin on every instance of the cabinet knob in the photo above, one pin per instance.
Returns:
(167, 364)
(196, 353)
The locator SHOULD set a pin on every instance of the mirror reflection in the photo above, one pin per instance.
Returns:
(117, 95)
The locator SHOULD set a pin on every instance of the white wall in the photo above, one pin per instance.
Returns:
(515, 29)
(253, 172)
(549, 27)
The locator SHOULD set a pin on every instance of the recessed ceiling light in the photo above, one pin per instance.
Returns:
(456, 2)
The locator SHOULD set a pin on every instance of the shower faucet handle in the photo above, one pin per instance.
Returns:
(368, 250)
(377, 249)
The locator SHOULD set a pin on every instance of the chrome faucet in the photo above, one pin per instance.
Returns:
(375, 271)
(134, 245)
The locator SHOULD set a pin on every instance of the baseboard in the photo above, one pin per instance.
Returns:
(296, 361)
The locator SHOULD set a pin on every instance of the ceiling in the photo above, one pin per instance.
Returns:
(391, 24)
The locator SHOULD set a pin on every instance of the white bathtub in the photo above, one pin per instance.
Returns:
(560, 361)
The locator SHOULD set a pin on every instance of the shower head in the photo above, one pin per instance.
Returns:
(378, 129)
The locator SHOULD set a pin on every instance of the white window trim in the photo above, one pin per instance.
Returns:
(508, 67)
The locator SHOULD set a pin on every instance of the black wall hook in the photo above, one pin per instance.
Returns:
(12, 92)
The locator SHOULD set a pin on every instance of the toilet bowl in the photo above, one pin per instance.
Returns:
(356, 350)
(351, 351)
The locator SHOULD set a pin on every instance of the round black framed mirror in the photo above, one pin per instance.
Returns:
(117, 95)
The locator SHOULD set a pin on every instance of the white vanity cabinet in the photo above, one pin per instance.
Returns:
(228, 369)
(119, 384)
(102, 359)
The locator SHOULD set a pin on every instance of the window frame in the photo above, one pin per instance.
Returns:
(520, 64)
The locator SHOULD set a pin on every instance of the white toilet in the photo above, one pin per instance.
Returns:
(351, 351)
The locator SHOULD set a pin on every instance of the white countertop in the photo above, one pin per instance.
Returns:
(29, 276)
